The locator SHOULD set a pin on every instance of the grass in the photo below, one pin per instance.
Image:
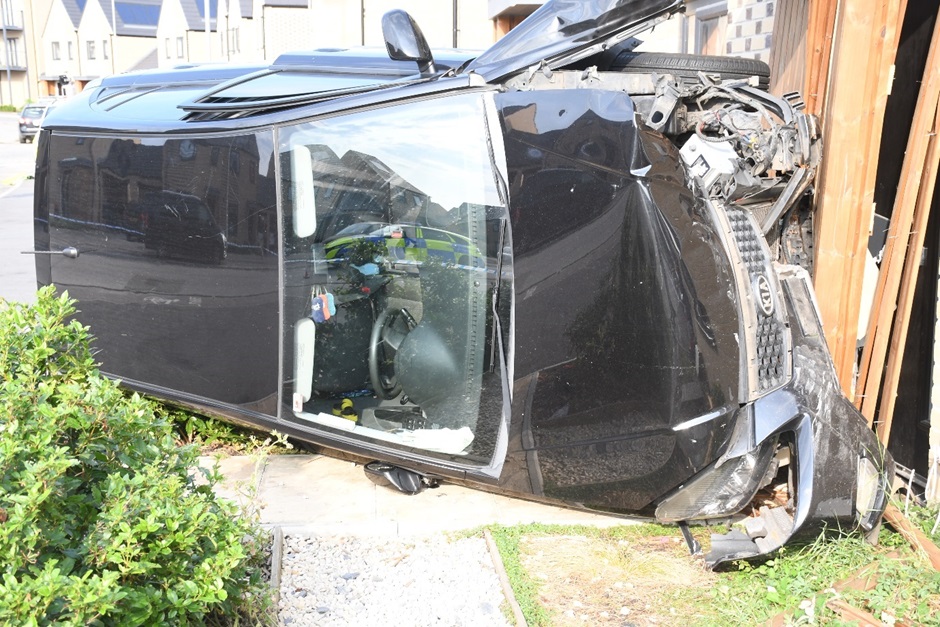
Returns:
(564, 574)
(643, 574)
(217, 437)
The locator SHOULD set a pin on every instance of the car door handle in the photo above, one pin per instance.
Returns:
(69, 251)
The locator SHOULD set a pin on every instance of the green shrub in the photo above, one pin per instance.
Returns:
(101, 518)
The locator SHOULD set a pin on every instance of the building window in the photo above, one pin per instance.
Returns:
(168, 48)
(710, 35)
(56, 55)
(71, 51)
(91, 49)
(179, 48)
(13, 53)
(232, 44)
(104, 49)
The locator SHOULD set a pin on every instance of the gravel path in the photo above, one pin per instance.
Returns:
(381, 581)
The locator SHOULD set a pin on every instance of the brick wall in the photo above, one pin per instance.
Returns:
(750, 25)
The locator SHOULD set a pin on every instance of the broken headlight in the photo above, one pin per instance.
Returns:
(720, 490)
(869, 495)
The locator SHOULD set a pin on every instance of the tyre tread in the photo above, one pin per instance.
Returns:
(688, 65)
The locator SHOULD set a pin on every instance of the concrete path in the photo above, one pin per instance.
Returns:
(315, 494)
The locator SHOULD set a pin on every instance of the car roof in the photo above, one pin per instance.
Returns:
(162, 100)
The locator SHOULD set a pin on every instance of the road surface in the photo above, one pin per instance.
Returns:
(17, 162)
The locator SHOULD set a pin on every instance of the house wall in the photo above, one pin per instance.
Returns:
(35, 14)
(176, 44)
(13, 92)
(750, 25)
(197, 49)
(667, 36)
(60, 30)
(130, 52)
(95, 29)
(112, 54)
(344, 23)
(704, 28)
(281, 29)
(436, 19)
(14, 86)
(171, 26)
(237, 34)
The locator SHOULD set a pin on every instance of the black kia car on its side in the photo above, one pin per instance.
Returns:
(559, 269)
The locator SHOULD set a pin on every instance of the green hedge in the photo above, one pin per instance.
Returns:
(101, 519)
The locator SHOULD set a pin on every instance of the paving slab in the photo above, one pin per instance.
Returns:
(324, 495)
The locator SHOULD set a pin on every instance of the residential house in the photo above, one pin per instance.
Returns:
(83, 40)
(35, 15)
(182, 36)
(14, 88)
(262, 30)
(279, 27)
(125, 40)
(60, 64)
(238, 32)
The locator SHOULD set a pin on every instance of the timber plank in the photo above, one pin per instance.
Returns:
(902, 319)
(899, 231)
(867, 39)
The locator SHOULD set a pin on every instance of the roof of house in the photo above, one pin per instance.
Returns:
(195, 13)
(74, 9)
(148, 62)
(134, 18)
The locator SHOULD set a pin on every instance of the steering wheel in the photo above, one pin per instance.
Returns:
(389, 330)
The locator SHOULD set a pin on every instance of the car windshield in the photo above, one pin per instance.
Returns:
(33, 112)
(394, 225)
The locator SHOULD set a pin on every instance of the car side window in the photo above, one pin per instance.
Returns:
(394, 232)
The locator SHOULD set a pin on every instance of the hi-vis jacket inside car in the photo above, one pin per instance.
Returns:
(559, 269)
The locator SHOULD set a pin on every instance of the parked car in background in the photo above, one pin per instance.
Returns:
(559, 269)
(30, 117)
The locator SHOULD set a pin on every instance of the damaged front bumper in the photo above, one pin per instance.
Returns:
(839, 473)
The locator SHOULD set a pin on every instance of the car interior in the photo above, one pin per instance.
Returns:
(394, 337)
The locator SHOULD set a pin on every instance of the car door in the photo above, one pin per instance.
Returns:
(396, 289)
(178, 315)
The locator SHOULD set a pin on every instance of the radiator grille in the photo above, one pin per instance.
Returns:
(770, 360)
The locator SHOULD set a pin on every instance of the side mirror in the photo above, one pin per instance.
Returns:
(405, 41)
